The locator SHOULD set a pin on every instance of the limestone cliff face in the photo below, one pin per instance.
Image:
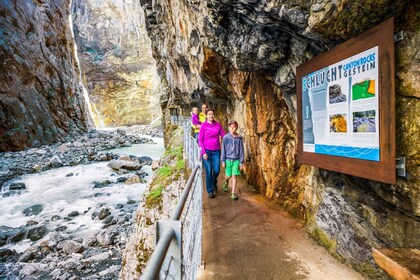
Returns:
(41, 100)
(241, 56)
(117, 62)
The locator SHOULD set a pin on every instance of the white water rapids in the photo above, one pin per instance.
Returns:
(60, 195)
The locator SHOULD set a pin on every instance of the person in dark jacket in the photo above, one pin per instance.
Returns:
(232, 157)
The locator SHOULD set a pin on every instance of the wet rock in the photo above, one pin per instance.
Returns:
(55, 238)
(33, 210)
(133, 179)
(90, 241)
(145, 160)
(37, 233)
(131, 201)
(11, 193)
(56, 162)
(31, 223)
(119, 206)
(124, 164)
(6, 254)
(74, 214)
(17, 186)
(70, 174)
(104, 213)
(105, 237)
(99, 185)
(121, 179)
(70, 247)
(102, 157)
(18, 235)
(141, 173)
(61, 228)
(55, 218)
(28, 255)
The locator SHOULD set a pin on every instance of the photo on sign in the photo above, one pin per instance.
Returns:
(363, 89)
(364, 121)
(338, 123)
(336, 94)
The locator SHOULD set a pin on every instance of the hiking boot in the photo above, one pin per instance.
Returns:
(225, 186)
(211, 195)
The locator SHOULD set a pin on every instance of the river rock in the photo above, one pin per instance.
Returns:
(55, 218)
(70, 264)
(56, 162)
(56, 237)
(90, 241)
(99, 257)
(28, 255)
(31, 268)
(124, 164)
(74, 214)
(100, 185)
(33, 210)
(155, 165)
(37, 233)
(145, 160)
(70, 247)
(112, 269)
(61, 228)
(133, 179)
(104, 213)
(5, 254)
(31, 223)
(105, 237)
(18, 235)
(121, 179)
(17, 186)
(141, 173)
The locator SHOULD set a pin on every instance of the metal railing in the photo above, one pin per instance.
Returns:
(177, 254)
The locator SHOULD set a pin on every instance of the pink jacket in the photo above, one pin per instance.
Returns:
(208, 138)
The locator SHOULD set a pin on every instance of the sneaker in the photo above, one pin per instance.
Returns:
(225, 186)
(215, 188)
(211, 195)
(234, 196)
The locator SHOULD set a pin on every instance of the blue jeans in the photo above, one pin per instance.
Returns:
(212, 166)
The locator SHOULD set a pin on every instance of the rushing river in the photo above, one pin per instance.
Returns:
(59, 192)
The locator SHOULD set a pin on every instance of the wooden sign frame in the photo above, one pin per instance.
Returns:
(381, 36)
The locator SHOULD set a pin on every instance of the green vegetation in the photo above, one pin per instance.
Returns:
(175, 152)
(154, 196)
(324, 240)
(170, 171)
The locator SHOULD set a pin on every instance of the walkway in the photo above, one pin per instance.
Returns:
(252, 238)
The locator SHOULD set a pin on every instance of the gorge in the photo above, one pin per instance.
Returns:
(239, 57)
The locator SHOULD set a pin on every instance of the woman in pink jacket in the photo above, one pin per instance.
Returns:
(211, 133)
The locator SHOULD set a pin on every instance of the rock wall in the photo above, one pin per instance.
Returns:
(241, 56)
(40, 98)
(117, 63)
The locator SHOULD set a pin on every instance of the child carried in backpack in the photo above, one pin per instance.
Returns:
(232, 157)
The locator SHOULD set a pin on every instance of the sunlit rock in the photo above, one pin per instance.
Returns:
(117, 63)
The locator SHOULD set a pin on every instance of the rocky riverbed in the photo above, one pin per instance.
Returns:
(68, 208)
